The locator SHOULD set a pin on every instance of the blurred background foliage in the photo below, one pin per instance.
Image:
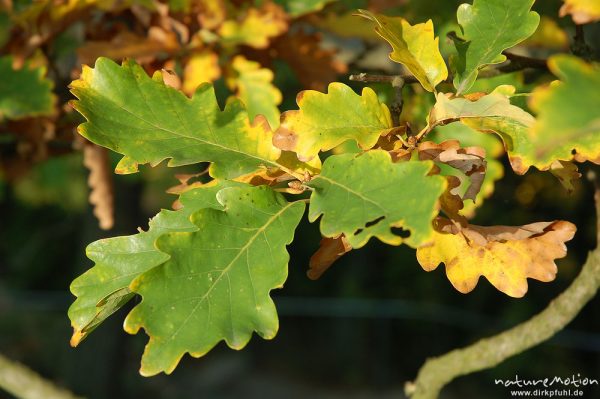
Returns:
(361, 330)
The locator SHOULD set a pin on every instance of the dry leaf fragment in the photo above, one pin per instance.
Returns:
(566, 172)
(505, 255)
(469, 160)
(95, 158)
(330, 250)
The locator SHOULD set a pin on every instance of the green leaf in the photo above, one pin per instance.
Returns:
(568, 123)
(119, 260)
(364, 196)
(414, 46)
(216, 284)
(24, 92)
(254, 86)
(326, 120)
(147, 121)
(488, 28)
(297, 8)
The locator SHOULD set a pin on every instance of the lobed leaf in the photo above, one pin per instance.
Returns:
(366, 195)
(147, 121)
(488, 28)
(24, 92)
(505, 255)
(326, 120)
(216, 284)
(414, 46)
(119, 260)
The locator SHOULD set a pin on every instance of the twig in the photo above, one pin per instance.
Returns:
(517, 63)
(436, 373)
(579, 47)
(27, 384)
(396, 106)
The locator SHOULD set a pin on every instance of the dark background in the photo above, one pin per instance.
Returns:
(360, 331)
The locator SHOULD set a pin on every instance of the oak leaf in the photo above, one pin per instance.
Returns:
(505, 255)
(354, 203)
(414, 46)
(488, 28)
(148, 122)
(325, 120)
(216, 284)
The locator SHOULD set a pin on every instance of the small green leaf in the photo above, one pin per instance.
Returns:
(148, 122)
(24, 92)
(326, 120)
(568, 120)
(216, 284)
(119, 260)
(254, 86)
(413, 46)
(364, 196)
(488, 28)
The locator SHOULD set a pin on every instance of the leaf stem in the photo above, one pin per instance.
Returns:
(436, 373)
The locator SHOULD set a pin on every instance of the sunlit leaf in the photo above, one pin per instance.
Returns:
(216, 284)
(505, 255)
(119, 260)
(148, 122)
(488, 28)
(326, 120)
(413, 46)
(359, 206)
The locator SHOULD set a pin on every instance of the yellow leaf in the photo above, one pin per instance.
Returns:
(582, 11)
(201, 67)
(413, 46)
(212, 13)
(505, 255)
(257, 27)
(548, 35)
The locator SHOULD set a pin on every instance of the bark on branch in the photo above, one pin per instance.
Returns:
(24, 383)
(436, 373)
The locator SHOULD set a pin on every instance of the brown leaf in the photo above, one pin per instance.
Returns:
(315, 67)
(130, 45)
(505, 255)
(95, 158)
(469, 160)
(330, 250)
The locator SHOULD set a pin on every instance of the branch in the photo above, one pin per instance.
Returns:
(27, 384)
(436, 373)
(517, 63)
